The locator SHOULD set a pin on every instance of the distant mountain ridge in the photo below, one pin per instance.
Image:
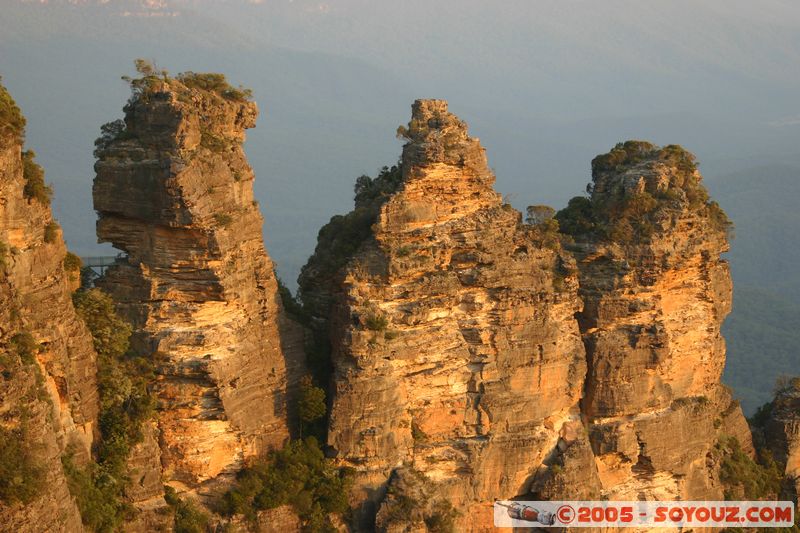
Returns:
(140, 4)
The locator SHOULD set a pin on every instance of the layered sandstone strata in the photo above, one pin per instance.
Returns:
(48, 383)
(655, 292)
(174, 192)
(455, 349)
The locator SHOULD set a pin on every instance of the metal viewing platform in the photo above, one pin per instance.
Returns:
(99, 263)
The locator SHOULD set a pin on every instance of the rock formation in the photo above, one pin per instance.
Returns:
(48, 383)
(471, 356)
(174, 192)
(459, 375)
(655, 292)
(457, 358)
(781, 430)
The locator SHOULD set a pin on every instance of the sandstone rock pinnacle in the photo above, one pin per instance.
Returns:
(174, 192)
(655, 292)
(455, 348)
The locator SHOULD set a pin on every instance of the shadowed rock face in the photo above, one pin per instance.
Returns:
(175, 193)
(455, 347)
(655, 293)
(49, 396)
(781, 430)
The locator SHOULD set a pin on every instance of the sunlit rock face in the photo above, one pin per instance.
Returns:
(455, 349)
(474, 358)
(48, 393)
(655, 293)
(174, 192)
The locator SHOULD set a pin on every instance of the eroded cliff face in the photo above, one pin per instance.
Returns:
(655, 292)
(456, 354)
(48, 383)
(174, 192)
(781, 431)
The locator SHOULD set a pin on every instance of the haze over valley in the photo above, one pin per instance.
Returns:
(546, 86)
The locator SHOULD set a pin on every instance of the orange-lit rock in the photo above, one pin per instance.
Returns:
(453, 334)
(175, 193)
(655, 293)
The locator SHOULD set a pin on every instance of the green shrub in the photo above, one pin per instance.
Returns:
(152, 78)
(216, 83)
(621, 216)
(337, 243)
(412, 500)
(290, 303)
(546, 234)
(762, 415)
(785, 387)
(627, 153)
(188, 518)
(537, 214)
(35, 187)
(628, 217)
(719, 219)
(544, 227)
(110, 333)
(146, 67)
(125, 404)
(758, 480)
(22, 477)
(578, 217)
(311, 405)
(51, 232)
(340, 239)
(213, 142)
(96, 493)
(369, 190)
(12, 123)
(26, 347)
(298, 475)
(110, 132)
(375, 321)
(72, 263)
(223, 219)
(677, 156)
